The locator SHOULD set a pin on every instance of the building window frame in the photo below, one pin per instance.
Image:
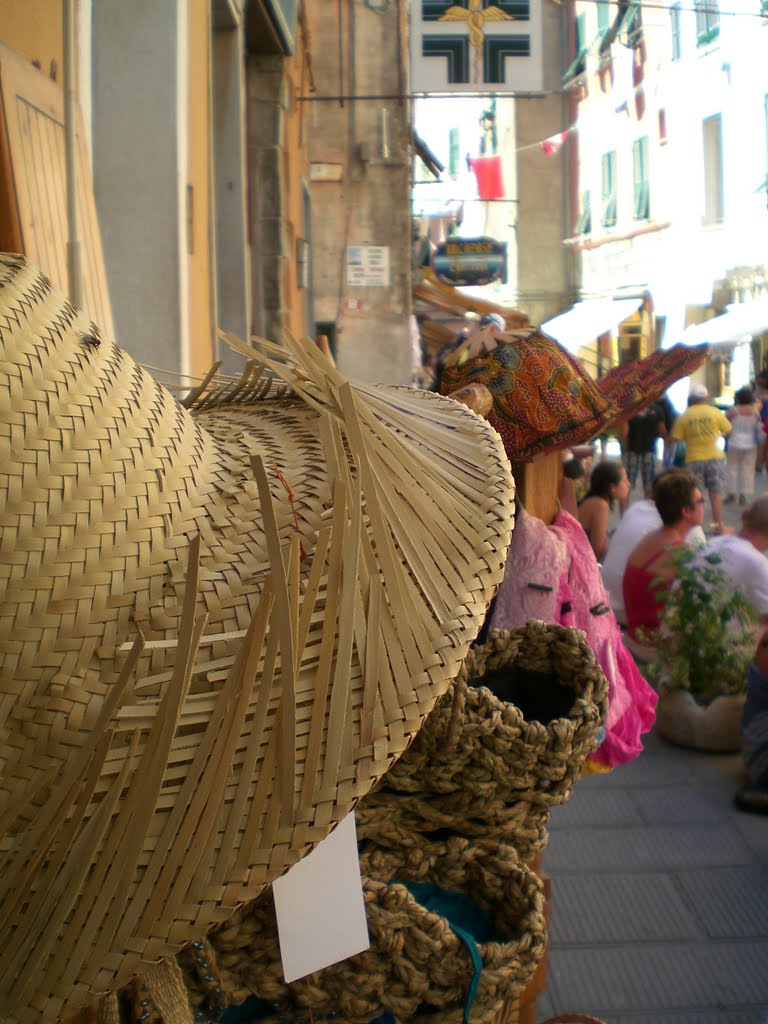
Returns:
(640, 179)
(584, 223)
(707, 21)
(714, 192)
(675, 13)
(608, 210)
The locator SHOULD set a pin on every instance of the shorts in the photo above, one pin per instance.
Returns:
(710, 474)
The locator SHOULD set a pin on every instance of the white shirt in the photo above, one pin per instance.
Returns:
(745, 565)
(637, 522)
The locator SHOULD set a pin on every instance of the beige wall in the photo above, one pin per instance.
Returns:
(198, 212)
(34, 28)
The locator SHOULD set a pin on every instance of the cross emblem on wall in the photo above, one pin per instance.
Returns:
(475, 54)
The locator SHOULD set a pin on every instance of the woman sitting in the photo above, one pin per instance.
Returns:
(650, 569)
(607, 484)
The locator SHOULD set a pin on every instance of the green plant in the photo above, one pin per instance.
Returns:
(708, 631)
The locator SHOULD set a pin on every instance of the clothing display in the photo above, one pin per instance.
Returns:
(552, 572)
(544, 400)
(632, 701)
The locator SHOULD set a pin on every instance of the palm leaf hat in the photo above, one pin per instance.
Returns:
(221, 620)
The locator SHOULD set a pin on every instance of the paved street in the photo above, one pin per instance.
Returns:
(660, 892)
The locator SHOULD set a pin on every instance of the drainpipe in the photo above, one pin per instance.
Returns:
(74, 254)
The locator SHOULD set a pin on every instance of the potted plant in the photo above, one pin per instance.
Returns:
(705, 644)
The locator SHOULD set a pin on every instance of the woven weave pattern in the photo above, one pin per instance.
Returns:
(478, 767)
(218, 629)
(415, 960)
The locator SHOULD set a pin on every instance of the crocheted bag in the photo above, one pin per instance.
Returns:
(417, 964)
(479, 765)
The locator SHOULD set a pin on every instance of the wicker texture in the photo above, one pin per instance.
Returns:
(415, 958)
(219, 626)
(478, 767)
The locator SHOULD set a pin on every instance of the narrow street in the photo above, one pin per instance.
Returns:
(660, 891)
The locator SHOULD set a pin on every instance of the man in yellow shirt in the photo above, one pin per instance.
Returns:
(701, 426)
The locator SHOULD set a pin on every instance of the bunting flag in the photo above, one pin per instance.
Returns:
(490, 176)
(553, 143)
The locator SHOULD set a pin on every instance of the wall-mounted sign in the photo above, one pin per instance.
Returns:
(470, 261)
(476, 46)
(325, 172)
(368, 266)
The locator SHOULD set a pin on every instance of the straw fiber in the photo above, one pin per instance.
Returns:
(416, 961)
(479, 766)
(219, 626)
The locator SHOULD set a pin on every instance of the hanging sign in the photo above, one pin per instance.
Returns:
(470, 261)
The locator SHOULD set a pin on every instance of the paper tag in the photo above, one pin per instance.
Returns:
(320, 908)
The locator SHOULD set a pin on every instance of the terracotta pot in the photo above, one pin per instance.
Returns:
(715, 726)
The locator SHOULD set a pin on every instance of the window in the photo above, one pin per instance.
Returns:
(608, 214)
(713, 170)
(584, 223)
(579, 63)
(707, 21)
(453, 152)
(603, 16)
(640, 190)
(674, 24)
(631, 29)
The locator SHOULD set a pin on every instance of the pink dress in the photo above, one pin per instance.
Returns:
(536, 564)
(632, 702)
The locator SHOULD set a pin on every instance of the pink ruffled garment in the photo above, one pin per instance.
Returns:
(632, 702)
(537, 562)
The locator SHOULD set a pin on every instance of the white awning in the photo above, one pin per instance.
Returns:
(586, 321)
(740, 323)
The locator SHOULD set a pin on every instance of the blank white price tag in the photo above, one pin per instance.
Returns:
(319, 903)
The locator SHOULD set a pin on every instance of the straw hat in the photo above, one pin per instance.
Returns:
(219, 627)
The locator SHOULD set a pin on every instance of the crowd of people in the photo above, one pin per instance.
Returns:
(703, 455)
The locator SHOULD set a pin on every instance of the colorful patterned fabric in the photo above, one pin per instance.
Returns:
(639, 382)
(543, 398)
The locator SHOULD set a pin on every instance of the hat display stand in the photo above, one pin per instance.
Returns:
(222, 621)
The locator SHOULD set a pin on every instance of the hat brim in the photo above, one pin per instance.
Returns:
(219, 629)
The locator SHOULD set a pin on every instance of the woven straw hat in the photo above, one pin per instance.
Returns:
(219, 626)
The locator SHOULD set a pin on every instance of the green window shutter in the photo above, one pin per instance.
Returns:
(707, 21)
(631, 27)
(640, 193)
(584, 223)
(674, 21)
(578, 65)
(603, 16)
(608, 216)
(453, 152)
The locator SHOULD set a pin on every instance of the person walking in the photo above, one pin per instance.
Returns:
(743, 442)
(701, 426)
(642, 431)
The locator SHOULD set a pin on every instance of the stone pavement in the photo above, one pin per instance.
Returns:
(659, 895)
(660, 892)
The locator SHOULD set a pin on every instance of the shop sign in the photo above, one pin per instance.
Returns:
(470, 261)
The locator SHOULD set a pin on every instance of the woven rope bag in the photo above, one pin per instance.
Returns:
(479, 765)
(220, 622)
(415, 960)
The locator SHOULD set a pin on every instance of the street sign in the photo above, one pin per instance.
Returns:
(470, 261)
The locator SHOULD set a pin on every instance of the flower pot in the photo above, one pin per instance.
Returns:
(715, 726)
